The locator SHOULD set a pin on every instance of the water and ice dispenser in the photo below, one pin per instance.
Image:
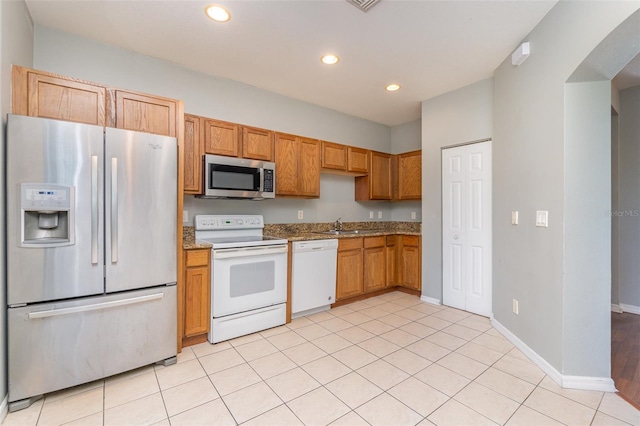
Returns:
(47, 215)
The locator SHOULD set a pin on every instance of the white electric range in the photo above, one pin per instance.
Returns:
(248, 275)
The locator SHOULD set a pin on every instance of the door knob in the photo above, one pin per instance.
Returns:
(455, 237)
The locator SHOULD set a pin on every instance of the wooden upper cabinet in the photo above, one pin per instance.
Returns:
(192, 155)
(377, 184)
(142, 113)
(221, 138)
(297, 166)
(309, 168)
(410, 176)
(257, 144)
(334, 156)
(42, 94)
(357, 160)
(287, 150)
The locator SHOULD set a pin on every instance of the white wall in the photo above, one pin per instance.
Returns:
(587, 230)
(457, 117)
(16, 47)
(209, 96)
(628, 212)
(530, 172)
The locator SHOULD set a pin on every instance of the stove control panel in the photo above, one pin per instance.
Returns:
(222, 222)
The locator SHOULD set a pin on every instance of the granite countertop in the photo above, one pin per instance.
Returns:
(308, 231)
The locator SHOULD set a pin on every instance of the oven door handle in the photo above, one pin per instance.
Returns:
(249, 251)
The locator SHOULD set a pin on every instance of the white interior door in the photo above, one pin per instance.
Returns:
(466, 228)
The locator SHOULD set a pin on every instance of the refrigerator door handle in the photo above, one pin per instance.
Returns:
(114, 210)
(94, 307)
(94, 209)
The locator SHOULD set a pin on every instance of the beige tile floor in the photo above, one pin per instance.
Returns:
(388, 360)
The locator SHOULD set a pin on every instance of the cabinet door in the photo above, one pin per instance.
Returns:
(411, 262)
(257, 144)
(143, 113)
(221, 138)
(357, 160)
(391, 259)
(197, 284)
(196, 310)
(410, 176)
(309, 168)
(286, 164)
(380, 176)
(192, 155)
(334, 156)
(375, 269)
(59, 98)
(349, 278)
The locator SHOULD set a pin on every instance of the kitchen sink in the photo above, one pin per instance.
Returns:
(350, 232)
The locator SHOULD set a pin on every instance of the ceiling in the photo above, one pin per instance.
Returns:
(428, 47)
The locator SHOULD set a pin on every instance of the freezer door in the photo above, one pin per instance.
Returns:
(140, 214)
(57, 345)
(52, 152)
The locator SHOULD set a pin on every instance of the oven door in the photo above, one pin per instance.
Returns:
(247, 278)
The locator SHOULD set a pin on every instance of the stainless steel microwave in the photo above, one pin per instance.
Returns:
(229, 177)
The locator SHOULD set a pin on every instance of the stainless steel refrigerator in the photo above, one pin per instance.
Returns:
(91, 253)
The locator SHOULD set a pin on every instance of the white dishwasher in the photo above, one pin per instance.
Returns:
(313, 276)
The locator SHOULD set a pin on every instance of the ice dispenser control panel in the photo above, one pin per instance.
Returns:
(49, 199)
(47, 215)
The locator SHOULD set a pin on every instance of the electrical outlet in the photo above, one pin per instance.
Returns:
(514, 217)
(413, 215)
(542, 218)
(371, 214)
(185, 216)
(515, 306)
(379, 214)
(300, 214)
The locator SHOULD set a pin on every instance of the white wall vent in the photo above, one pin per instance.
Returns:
(364, 5)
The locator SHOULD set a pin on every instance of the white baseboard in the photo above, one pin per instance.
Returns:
(630, 308)
(4, 408)
(616, 308)
(602, 384)
(430, 300)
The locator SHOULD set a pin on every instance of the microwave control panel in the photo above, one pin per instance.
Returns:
(268, 181)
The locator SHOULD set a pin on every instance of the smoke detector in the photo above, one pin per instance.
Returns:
(364, 5)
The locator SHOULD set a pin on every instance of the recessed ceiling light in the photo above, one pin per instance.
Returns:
(392, 87)
(330, 59)
(217, 13)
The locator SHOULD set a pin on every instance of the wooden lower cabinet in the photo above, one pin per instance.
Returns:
(349, 279)
(410, 262)
(375, 264)
(197, 304)
(391, 255)
(370, 264)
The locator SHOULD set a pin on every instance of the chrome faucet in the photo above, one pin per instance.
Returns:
(338, 224)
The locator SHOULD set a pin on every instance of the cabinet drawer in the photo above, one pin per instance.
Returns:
(411, 240)
(374, 242)
(349, 244)
(197, 257)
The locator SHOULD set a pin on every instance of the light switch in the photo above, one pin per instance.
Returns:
(514, 217)
(413, 215)
(542, 218)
